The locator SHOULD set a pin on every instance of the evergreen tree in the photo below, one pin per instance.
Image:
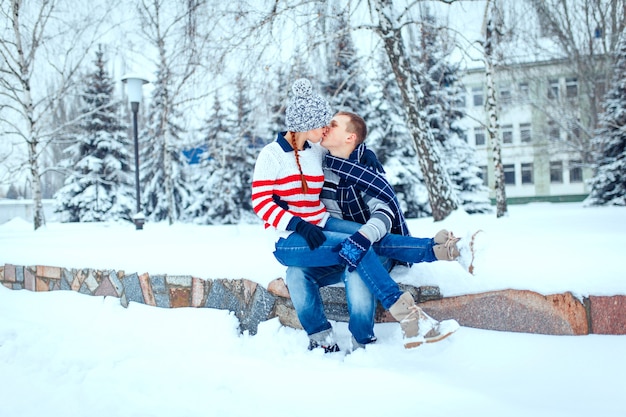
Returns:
(166, 190)
(395, 148)
(346, 86)
(279, 104)
(99, 186)
(208, 207)
(608, 186)
(225, 194)
(441, 95)
(390, 138)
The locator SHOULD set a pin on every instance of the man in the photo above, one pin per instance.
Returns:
(355, 193)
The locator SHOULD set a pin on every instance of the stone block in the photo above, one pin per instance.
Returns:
(49, 272)
(198, 291)
(335, 304)
(222, 297)
(147, 294)
(178, 280)
(91, 282)
(67, 276)
(41, 284)
(54, 284)
(608, 314)
(132, 290)
(78, 278)
(8, 274)
(179, 287)
(278, 288)
(108, 286)
(29, 279)
(180, 297)
(115, 278)
(160, 291)
(283, 309)
(19, 274)
(250, 302)
(259, 310)
(514, 311)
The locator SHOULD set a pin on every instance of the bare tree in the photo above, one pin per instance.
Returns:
(41, 46)
(491, 31)
(440, 191)
(180, 39)
(583, 34)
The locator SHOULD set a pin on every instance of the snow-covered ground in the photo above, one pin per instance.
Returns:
(64, 353)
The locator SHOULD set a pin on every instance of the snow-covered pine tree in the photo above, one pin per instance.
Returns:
(608, 185)
(100, 184)
(162, 165)
(208, 206)
(390, 138)
(442, 92)
(345, 86)
(278, 103)
(225, 197)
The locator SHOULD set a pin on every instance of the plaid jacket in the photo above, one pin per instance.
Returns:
(357, 179)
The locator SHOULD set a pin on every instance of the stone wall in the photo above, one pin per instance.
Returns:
(508, 310)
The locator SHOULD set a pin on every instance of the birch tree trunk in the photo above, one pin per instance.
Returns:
(491, 106)
(440, 192)
(23, 72)
(31, 90)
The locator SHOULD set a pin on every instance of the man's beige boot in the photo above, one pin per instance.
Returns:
(446, 246)
(415, 324)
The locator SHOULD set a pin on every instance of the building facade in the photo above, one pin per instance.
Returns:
(545, 142)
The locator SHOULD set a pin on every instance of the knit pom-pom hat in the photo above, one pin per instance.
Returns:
(306, 111)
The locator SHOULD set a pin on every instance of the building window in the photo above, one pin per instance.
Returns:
(554, 133)
(524, 92)
(509, 174)
(553, 89)
(477, 94)
(479, 136)
(573, 135)
(483, 174)
(505, 95)
(571, 87)
(575, 171)
(525, 132)
(556, 172)
(507, 134)
(527, 173)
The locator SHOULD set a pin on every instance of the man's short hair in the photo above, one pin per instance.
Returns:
(355, 125)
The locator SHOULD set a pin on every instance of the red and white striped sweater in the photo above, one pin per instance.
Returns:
(276, 172)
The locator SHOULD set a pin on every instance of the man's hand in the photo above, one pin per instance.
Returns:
(370, 160)
(353, 249)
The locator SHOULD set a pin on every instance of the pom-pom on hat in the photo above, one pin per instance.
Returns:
(306, 111)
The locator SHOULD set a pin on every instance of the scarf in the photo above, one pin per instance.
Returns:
(355, 178)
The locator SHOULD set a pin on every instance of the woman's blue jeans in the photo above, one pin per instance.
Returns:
(304, 282)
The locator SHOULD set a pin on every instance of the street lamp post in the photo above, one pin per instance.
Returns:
(134, 86)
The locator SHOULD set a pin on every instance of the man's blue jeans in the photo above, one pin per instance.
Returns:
(294, 251)
(304, 287)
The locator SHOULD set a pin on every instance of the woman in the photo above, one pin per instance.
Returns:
(288, 174)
